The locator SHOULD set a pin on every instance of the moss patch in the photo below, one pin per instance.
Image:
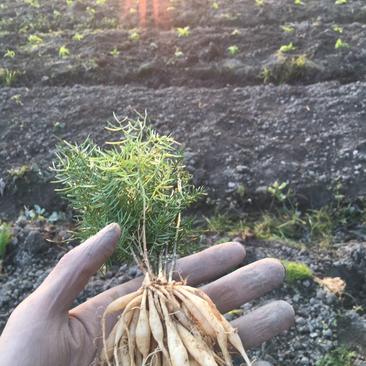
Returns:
(296, 271)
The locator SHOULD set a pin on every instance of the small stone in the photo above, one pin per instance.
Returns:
(328, 333)
(262, 363)
(132, 271)
(330, 298)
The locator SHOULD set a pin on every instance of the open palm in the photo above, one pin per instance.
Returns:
(43, 331)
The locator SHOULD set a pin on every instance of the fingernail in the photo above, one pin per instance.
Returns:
(112, 228)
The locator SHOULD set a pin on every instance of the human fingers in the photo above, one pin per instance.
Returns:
(264, 323)
(245, 284)
(73, 271)
(198, 268)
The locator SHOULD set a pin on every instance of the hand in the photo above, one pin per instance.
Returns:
(42, 331)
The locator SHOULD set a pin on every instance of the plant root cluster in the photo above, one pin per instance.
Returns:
(168, 323)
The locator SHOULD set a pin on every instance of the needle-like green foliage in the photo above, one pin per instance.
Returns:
(140, 172)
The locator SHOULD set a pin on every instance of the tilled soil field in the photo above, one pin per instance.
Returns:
(257, 91)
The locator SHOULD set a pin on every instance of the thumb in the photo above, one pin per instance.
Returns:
(75, 268)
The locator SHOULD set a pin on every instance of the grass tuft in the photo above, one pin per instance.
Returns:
(341, 356)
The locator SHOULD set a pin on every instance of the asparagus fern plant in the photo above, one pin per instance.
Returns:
(140, 182)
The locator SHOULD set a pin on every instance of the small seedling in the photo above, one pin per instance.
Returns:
(32, 3)
(287, 48)
(178, 53)
(265, 74)
(63, 52)
(91, 11)
(299, 61)
(278, 191)
(134, 36)
(8, 77)
(215, 5)
(20, 171)
(108, 22)
(114, 52)
(35, 40)
(9, 54)
(337, 28)
(69, 2)
(233, 50)
(298, 2)
(340, 44)
(17, 98)
(100, 2)
(288, 28)
(183, 31)
(259, 2)
(341, 2)
(77, 37)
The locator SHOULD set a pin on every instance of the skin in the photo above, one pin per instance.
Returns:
(43, 331)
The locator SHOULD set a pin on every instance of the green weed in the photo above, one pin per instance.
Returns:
(286, 222)
(114, 52)
(337, 28)
(63, 52)
(279, 191)
(287, 28)
(265, 74)
(341, 356)
(19, 172)
(35, 40)
(134, 35)
(218, 223)
(183, 31)
(32, 3)
(233, 50)
(9, 54)
(17, 98)
(215, 5)
(77, 37)
(91, 11)
(340, 44)
(299, 62)
(8, 77)
(287, 48)
(5, 238)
